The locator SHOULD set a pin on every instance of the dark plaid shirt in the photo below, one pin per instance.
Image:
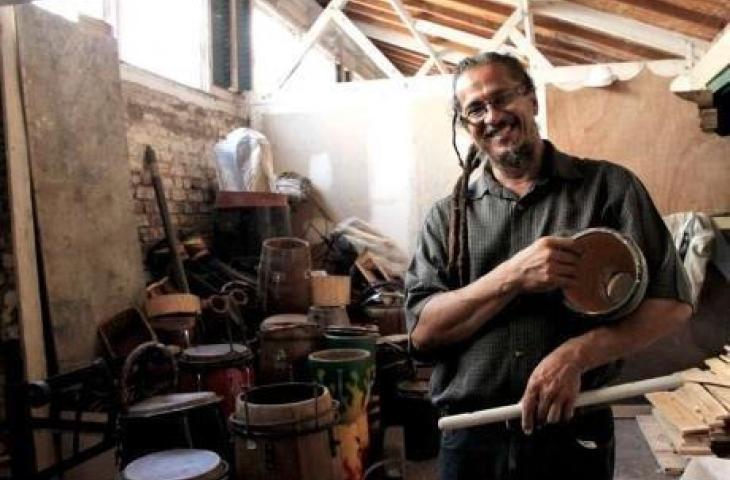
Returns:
(493, 366)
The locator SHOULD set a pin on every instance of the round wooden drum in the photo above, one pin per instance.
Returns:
(178, 464)
(223, 368)
(612, 275)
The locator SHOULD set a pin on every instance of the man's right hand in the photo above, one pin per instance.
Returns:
(547, 264)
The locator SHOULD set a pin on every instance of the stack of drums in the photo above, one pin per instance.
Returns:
(284, 432)
(284, 276)
(224, 368)
(179, 464)
(286, 341)
(173, 317)
(349, 374)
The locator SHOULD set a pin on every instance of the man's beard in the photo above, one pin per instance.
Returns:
(518, 158)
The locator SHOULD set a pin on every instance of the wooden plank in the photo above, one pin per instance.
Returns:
(718, 367)
(365, 44)
(683, 445)
(670, 463)
(721, 394)
(21, 206)
(582, 122)
(699, 400)
(705, 377)
(81, 180)
(685, 420)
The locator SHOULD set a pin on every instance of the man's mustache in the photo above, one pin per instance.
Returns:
(493, 128)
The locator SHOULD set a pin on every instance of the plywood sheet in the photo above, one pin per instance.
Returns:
(640, 124)
(81, 181)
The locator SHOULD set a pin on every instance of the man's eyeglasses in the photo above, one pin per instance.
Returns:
(477, 111)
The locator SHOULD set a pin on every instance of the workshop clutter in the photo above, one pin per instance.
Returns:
(282, 363)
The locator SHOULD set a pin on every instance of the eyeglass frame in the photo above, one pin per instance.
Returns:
(504, 98)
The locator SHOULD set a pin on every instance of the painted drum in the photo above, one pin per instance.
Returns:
(612, 275)
(285, 431)
(349, 374)
(223, 368)
(352, 336)
(177, 464)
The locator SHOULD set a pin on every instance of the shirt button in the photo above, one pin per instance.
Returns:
(519, 354)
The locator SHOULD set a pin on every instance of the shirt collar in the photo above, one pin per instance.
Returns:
(556, 164)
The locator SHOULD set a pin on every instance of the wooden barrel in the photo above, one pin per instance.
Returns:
(284, 431)
(612, 275)
(243, 220)
(284, 276)
(284, 350)
(390, 319)
(177, 464)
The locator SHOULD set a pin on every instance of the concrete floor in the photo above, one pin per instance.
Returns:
(634, 460)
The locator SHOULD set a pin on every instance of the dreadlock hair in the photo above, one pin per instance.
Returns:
(458, 260)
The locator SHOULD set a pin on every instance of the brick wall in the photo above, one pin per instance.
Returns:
(182, 125)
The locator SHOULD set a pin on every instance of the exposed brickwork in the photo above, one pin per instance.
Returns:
(183, 136)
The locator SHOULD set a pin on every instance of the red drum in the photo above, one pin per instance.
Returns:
(223, 368)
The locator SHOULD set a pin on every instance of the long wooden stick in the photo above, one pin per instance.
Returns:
(591, 397)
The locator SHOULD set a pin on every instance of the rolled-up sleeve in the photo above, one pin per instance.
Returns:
(427, 274)
(641, 221)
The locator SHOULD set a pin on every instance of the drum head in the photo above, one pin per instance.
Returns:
(179, 464)
(609, 276)
(215, 352)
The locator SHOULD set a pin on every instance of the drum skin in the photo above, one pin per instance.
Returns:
(611, 275)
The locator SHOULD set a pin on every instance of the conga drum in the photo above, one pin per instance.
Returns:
(283, 431)
(284, 349)
(612, 276)
(223, 368)
(178, 464)
(419, 418)
(348, 373)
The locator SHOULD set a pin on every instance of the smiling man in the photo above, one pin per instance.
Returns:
(484, 286)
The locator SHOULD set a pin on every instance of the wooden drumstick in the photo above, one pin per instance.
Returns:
(590, 397)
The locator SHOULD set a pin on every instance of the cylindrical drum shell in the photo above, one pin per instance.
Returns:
(420, 420)
(284, 276)
(284, 431)
(284, 350)
(349, 374)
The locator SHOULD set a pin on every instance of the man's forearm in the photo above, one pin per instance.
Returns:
(454, 316)
(653, 319)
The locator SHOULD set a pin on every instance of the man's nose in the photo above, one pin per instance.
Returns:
(493, 116)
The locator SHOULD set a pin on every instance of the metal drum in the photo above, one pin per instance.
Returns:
(284, 276)
(612, 275)
(223, 368)
(178, 464)
(284, 431)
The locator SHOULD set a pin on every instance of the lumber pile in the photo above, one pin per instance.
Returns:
(695, 418)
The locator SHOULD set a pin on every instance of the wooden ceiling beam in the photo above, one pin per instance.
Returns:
(420, 38)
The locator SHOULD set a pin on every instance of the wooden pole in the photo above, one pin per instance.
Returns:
(591, 397)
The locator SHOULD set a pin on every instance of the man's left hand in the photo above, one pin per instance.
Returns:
(551, 390)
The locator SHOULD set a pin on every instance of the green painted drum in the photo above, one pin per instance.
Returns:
(349, 374)
(352, 337)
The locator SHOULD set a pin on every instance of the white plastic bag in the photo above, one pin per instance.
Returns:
(244, 162)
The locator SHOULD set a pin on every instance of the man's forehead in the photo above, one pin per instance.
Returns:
(483, 78)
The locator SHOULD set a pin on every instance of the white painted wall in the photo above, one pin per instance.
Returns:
(378, 150)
